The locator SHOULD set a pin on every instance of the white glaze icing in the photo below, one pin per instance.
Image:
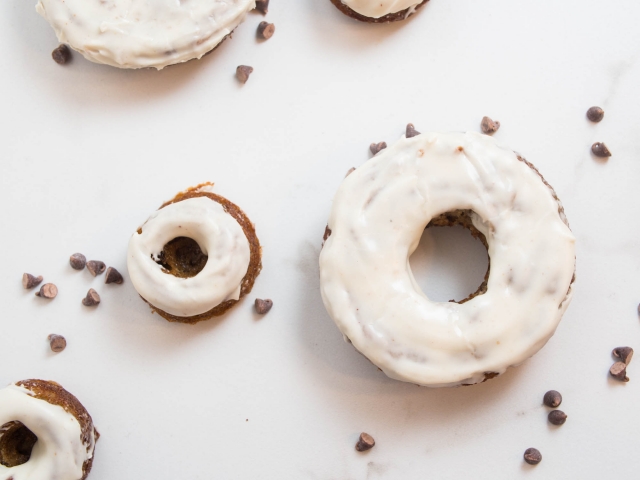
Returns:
(219, 236)
(143, 33)
(59, 452)
(380, 8)
(378, 216)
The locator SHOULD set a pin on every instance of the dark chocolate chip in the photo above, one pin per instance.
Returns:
(619, 371)
(48, 290)
(625, 354)
(61, 55)
(532, 456)
(595, 114)
(365, 442)
(243, 72)
(92, 299)
(266, 30)
(599, 149)
(411, 131)
(552, 399)
(376, 147)
(262, 6)
(557, 417)
(96, 267)
(57, 342)
(263, 306)
(489, 126)
(113, 276)
(29, 281)
(77, 261)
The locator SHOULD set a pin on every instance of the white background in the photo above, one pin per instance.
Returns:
(87, 152)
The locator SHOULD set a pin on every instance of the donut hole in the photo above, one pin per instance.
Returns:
(450, 263)
(16, 444)
(182, 257)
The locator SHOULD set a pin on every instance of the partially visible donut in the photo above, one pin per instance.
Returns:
(45, 433)
(195, 257)
(379, 11)
(377, 219)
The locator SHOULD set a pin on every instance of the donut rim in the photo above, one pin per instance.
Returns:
(255, 254)
(391, 17)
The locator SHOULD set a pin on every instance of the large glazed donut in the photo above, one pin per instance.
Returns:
(377, 219)
(379, 11)
(45, 433)
(195, 257)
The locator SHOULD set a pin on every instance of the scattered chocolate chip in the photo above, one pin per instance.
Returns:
(619, 371)
(61, 55)
(263, 306)
(96, 267)
(625, 354)
(29, 281)
(243, 72)
(113, 276)
(57, 342)
(77, 261)
(376, 147)
(48, 290)
(92, 299)
(532, 456)
(489, 126)
(552, 399)
(262, 6)
(411, 131)
(365, 442)
(557, 417)
(266, 30)
(599, 149)
(595, 114)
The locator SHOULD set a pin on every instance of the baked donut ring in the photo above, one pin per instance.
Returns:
(378, 216)
(195, 257)
(379, 11)
(45, 433)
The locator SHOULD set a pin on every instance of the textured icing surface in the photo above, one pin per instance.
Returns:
(143, 33)
(379, 8)
(378, 216)
(219, 236)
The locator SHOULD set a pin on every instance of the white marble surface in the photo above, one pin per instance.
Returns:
(88, 151)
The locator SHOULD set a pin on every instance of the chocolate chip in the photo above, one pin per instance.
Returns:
(595, 114)
(411, 131)
(619, 371)
(365, 442)
(96, 267)
(77, 261)
(599, 149)
(262, 6)
(557, 417)
(625, 354)
(552, 399)
(29, 281)
(113, 276)
(61, 55)
(350, 171)
(263, 306)
(376, 147)
(266, 30)
(57, 342)
(48, 290)
(532, 456)
(489, 126)
(243, 72)
(92, 299)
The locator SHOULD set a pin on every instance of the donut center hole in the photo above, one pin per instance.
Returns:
(182, 257)
(16, 444)
(450, 263)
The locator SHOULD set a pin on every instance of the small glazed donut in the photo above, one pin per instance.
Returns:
(45, 433)
(379, 11)
(143, 33)
(378, 216)
(195, 257)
